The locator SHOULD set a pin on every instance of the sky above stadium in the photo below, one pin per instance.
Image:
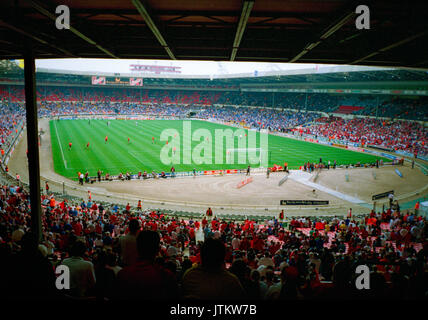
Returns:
(207, 68)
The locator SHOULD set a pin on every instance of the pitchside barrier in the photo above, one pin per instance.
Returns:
(221, 172)
(421, 166)
(425, 158)
(15, 139)
(93, 179)
(394, 162)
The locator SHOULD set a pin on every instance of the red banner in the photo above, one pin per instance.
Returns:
(136, 82)
(98, 80)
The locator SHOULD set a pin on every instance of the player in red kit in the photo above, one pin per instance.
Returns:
(106, 139)
(69, 145)
(128, 140)
(87, 145)
(153, 140)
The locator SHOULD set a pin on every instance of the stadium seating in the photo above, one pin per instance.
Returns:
(348, 109)
(318, 253)
(392, 243)
(309, 247)
(395, 135)
(381, 106)
(399, 135)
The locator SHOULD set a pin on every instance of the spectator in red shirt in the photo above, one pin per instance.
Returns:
(209, 212)
(77, 227)
(145, 280)
(204, 222)
(192, 234)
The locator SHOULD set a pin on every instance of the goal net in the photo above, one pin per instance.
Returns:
(252, 156)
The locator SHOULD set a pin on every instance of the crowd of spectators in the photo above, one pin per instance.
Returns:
(117, 252)
(74, 108)
(405, 136)
(381, 106)
(272, 119)
(401, 108)
(11, 119)
(395, 135)
(113, 95)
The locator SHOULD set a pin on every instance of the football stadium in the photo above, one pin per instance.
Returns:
(175, 173)
(143, 145)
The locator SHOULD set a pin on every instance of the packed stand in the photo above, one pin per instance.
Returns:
(381, 106)
(395, 135)
(12, 118)
(116, 253)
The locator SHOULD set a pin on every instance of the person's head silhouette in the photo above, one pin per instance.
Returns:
(78, 249)
(148, 244)
(213, 253)
(134, 226)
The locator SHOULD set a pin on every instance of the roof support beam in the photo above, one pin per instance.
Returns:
(245, 14)
(152, 26)
(217, 19)
(330, 30)
(46, 13)
(197, 13)
(391, 46)
(260, 22)
(32, 138)
(176, 18)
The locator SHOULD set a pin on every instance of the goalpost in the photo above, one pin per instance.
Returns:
(253, 156)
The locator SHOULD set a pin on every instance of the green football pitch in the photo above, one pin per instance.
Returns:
(141, 154)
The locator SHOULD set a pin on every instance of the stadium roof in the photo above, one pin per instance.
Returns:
(307, 71)
(301, 31)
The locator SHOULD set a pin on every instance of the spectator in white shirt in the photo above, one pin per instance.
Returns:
(266, 260)
(128, 244)
(172, 251)
(235, 243)
(217, 235)
(18, 234)
(82, 274)
(98, 242)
